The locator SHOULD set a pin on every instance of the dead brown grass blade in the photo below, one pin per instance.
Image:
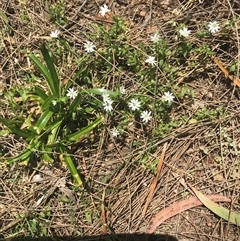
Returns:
(235, 80)
(179, 207)
(103, 214)
(153, 186)
(154, 183)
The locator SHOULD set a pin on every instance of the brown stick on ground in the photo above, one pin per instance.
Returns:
(103, 214)
(152, 188)
(154, 183)
(235, 80)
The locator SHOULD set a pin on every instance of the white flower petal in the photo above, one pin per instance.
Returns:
(71, 93)
(168, 96)
(54, 102)
(134, 104)
(115, 132)
(106, 98)
(151, 60)
(104, 9)
(89, 47)
(55, 34)
(155, 38)
(107, 106)
(146, 116)
(184, 32)
(213, 27)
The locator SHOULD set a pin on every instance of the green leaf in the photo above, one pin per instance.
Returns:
(54, 130)
(48, 101)
(41, 93)
(46, 157)
(48, 72)
(77, 135)
(43, 120)
(16, 130)
(24, 156)
(71, 166)
(218, 210)
(99, 91)
(43, 70)
(54, 81)
(4, 133)
(75, 104)
(233, 68)
(11, 100)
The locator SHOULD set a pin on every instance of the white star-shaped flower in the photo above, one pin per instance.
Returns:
(115, 132)
(184, 32)
(155, 38)
(104, 9)
(107, 105)
(151, 60)
(107, 102)
(168, 96)
(71, 93)
(54, 102)
(213, 27)
(55, 34)
(134, 104)
(106, 98)
(146, 116)
(89, 47)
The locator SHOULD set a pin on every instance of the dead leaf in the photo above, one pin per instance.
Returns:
(218, 177)
(215, 208)
(179, 207)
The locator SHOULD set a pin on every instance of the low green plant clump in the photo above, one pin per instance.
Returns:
(115, 83)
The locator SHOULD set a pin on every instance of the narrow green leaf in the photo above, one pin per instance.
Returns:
(11, 100)
(54, 77)
(41, 93)
(56, 145)
(48, 102)
(43, 120)
(46, 152)
(22, 157)
(77, 135)
(44, 71)
(16, 130)
(218, 210)
(54, 130)
(71, 167)
(75, 104)
(99, 91)
(52, 137)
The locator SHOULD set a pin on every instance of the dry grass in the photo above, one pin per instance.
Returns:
(192, 151)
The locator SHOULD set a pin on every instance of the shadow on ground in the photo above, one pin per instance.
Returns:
(113, 237)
